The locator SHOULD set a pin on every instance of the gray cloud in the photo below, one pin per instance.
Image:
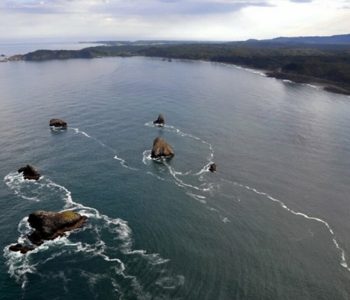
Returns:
(132, 7)
(170, 19)
(167, 7)
(301, 1)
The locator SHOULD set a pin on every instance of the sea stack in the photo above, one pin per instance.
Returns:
(58, 123)
(49, 225)
(212, 167)
(29, 173)
(161, 149)
(160, 121)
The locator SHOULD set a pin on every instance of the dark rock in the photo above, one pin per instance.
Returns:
(212, 167)
(160, 121)
(161, 149)
(29, 172)
(50, 225)
(337, 90)
(58, 123)
(21, 248)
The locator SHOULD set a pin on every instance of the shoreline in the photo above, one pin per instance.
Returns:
(329, 86)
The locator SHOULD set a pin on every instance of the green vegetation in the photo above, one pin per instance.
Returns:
(69, 216)
(328, 65)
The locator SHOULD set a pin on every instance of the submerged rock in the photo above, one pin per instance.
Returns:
(160, 121)
(161, 149)
(58, 123)
(21, 248)
(29, 173)
(212, 167)
(49, 225)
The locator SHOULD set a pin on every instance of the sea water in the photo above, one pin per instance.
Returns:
(271, 223)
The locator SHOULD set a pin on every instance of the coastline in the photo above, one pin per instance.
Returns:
(328, 86)
(90, 53)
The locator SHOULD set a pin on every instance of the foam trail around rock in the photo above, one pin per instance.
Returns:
(26, 189)
(173, 129)
(182, 183)
(21, 265)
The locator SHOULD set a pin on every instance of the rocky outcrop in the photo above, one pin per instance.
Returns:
(58, 123)
(161, 149)
(49, 225)
(21, 248)
(160, 121)
(212, 167)
(29, 173)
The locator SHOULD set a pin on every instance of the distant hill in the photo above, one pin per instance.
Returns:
(322, 60)
(341, 39)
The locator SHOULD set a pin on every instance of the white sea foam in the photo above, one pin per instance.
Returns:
(205, 169)
(203, 187)
(173, 129)
(24, 188)
(146, 157)
(343, 261)
(21, 265)
(254, 71)
(57, 129)
(78, 131)
(155, 175)
(313, 86)
(225, 219)
(181, 183)
(122, 161)
(199, 198)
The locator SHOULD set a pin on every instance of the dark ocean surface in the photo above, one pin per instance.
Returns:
(272, 222)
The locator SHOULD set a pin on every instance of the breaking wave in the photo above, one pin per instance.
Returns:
(116, 250)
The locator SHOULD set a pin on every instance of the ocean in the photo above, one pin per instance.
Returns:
(271, 223)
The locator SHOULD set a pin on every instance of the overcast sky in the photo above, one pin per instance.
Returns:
(170, 19)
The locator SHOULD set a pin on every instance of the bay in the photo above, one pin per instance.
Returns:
(271, 223)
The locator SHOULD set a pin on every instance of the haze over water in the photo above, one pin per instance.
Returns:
(272, 223)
